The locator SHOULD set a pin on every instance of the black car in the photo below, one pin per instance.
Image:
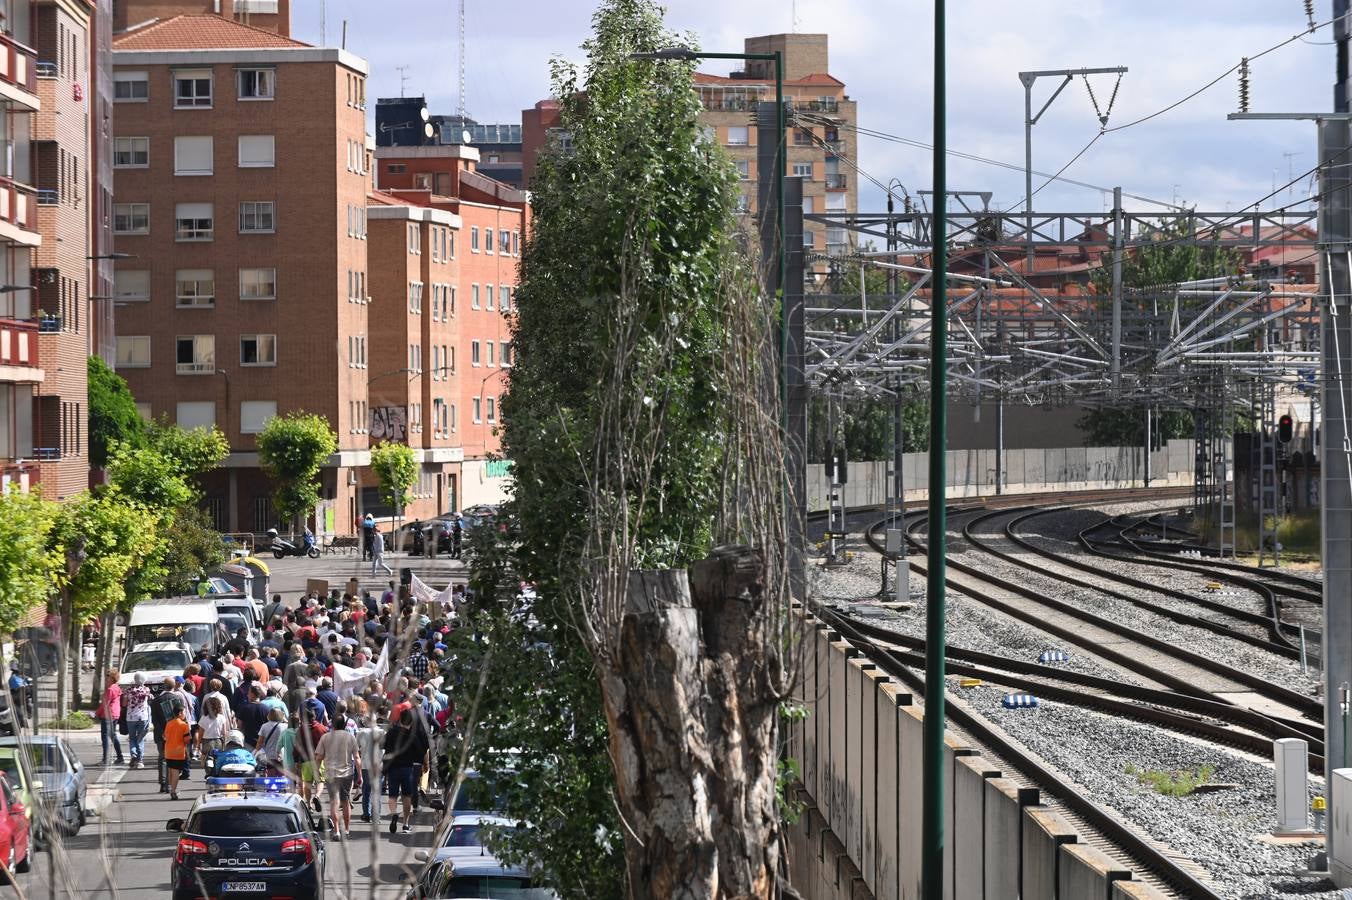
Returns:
(248, 838)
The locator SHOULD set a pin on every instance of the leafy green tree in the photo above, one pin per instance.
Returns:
(190, 451)
(113, 417)
(102, 539)
(396, 468)
(192, 547)
(28, 563)
(293, 450)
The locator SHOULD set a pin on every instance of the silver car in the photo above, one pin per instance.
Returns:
(54, 766)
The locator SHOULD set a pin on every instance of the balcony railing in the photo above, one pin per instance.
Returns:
(825, 104)
(196, 368)
(48, 196)
(14, 204)
(835, 182)
(47, 454)
(47, 69)
(17, 346)
(50, 324)
(18, 64)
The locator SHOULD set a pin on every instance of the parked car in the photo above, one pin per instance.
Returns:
(25, 789)
(16, 847)
(59, 778)
(459, 875)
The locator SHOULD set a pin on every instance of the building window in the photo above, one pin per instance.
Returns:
(196, 354)
(195, 288)
(396, 168)
(474, 239)
(192, 88)
(193, 155)
(414, 240)
(743, 169)
(131, 218)
(808, 205)
(258, 284)
(196, 414)
(505, 242)
(193, 222)
(131, 87)
(453, 293)
(257, 217)
(133, 351)
(809, 239)
(504, 298)
(257, 84)
(738, 135)
(131, 152)
(802, 137)
(415, 297)
(474, 296)
(477, 417)
(492, 417)
(488, 296)
(254, 415)
(455, 422)
(488, 240)
(258, 349)
(131, 285)
(474, 353)
(257, 151)
(506, 355)
(802, 170)
(516, 243)
(488, 350)
(145, 411)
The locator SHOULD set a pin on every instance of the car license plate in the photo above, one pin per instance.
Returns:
(245, 886)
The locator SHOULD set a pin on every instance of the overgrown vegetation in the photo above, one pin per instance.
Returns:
(1172, 783)
(114, 419)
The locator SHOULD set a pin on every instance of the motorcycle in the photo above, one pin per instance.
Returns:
(22, 698)
(283, 548)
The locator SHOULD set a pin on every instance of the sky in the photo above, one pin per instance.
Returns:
(882, 50)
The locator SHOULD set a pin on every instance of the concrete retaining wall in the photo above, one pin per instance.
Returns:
(860, 750)
(972, 472)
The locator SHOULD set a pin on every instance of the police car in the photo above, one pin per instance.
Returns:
(248, 838)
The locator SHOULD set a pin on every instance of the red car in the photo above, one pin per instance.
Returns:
(15, 848)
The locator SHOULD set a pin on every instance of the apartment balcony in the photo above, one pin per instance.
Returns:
(18, 218)
(18, 74)
(19, 359)
(836, 181)
(24, 475)
(822, 105)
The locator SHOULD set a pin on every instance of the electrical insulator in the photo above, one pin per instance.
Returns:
(1309, 13)
(1244, 85)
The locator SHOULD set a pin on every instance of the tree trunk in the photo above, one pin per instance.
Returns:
(73, 636)
(692, 722)
(741, 721)
(652, 696)
(62, 701)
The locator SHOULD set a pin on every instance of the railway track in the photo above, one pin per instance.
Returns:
(1100, 826)
(1150, 657)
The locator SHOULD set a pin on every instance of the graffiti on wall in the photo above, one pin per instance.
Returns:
(389, 423)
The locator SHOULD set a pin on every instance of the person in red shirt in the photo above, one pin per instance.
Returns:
(193, 676)
(176, 732)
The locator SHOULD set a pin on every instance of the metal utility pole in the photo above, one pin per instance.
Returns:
(932, 808)
(1029, 120)
(1118, 240)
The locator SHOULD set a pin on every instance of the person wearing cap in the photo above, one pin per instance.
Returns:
(137, 700)
(234, 754)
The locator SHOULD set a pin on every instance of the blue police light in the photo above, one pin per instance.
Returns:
(272, 784)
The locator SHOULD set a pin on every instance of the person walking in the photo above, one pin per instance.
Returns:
(163, 710)
(368, 527)
(341, 757)
(405, 752)
(212, 727)
(378, 553)
(108, 713)
(371, 743)
(457, 534)
(269, 747)
(137, 699)
(176, 732)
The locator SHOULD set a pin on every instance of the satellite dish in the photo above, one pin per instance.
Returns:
(466, 137)
(427, 129)
(424, 114)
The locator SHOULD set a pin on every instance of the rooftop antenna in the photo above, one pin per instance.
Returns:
(403, 77)
(323, 17)
(460, 110)
(794, 24)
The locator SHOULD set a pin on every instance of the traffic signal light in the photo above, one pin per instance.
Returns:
(1285, 429)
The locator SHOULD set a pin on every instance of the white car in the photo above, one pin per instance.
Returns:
(156, 660)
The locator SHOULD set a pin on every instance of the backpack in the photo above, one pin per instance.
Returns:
(168, 704)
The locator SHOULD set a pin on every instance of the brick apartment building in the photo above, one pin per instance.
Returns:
(270, 15)
(240, 167)
(820, 139)
(46, 326)
(468, 345)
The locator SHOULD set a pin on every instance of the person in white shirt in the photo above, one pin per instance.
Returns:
(213, 726)
(341, 756)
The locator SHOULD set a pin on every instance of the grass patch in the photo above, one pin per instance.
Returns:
(1178, 783)
(74, 721)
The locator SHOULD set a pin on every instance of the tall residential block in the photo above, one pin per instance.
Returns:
(272, 15)
(45, 241)
(241, 179)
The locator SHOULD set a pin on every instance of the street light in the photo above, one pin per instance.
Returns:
(113, 256)
(686, 54)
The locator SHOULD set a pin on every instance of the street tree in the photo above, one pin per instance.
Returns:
(293, 450)
(396, 469)
(28, 563)
(113, 416)
(648, 511)
(100, 540)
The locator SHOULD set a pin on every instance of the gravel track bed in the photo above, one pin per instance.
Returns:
(1216, 830)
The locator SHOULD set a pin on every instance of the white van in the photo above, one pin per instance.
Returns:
(193, 621)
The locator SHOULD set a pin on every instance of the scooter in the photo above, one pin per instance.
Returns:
(282, 548)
